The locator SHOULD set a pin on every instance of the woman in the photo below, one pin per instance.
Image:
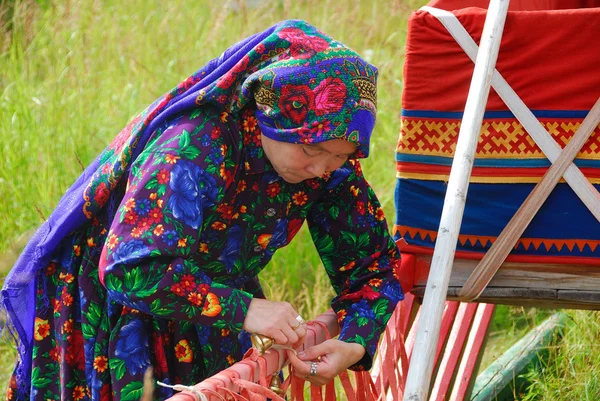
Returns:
(151, 258)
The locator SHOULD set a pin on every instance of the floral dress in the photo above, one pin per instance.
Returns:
(163, 276)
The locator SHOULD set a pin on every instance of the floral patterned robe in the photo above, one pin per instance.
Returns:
(163, 276)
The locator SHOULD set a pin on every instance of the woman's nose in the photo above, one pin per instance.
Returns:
(317, 168)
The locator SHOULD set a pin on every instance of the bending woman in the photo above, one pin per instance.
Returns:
(152, 256)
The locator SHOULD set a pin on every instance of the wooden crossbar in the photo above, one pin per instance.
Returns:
(489, 265)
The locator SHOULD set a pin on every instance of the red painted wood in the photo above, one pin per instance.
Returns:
(452, 352)
(472, 350)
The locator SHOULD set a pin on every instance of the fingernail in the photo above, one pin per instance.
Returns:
(301, 354)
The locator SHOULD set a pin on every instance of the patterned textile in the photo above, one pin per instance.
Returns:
(508, 163)
(151, 257)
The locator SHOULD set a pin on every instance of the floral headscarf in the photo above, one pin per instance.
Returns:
(307, 87)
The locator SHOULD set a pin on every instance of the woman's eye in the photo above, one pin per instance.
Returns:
(308, 152)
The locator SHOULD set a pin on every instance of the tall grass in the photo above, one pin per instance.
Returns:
(73, 72)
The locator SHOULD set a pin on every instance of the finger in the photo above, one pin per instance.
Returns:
(290, 334)
(314, 352)
(301, 368)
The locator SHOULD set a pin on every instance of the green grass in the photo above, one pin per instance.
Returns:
(73, 73)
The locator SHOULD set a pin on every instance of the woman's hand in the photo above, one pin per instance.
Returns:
(332, 357)
(278, 320)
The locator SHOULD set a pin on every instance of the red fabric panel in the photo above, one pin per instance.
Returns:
(550, 58)
(516, 5)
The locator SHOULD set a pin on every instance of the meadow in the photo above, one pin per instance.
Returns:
(73, 73)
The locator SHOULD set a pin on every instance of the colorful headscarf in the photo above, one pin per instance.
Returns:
(307, 87)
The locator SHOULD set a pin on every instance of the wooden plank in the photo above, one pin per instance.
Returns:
(421, 367)
(520, 275)
(499, 374)
(505, 242)
(471, 354)
(538, 297)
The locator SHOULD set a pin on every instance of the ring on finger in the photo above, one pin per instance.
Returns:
(300, 320)
(295, 327)
(313, 369)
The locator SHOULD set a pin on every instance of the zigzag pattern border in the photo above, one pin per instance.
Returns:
(530, 244)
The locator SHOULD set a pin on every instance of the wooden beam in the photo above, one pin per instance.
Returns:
(520, 275)
(537, 297)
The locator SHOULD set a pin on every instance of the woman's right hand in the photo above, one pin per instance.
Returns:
(278, 320)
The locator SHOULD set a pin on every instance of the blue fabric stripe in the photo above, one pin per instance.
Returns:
(489, 207)
(525, 163)
(496, 114)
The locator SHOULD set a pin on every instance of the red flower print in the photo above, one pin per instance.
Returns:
(68, 326)
(55, 353)
(144, 224)
(223, 116)
(42, 329)
(159, 354)
(182, 243)
(195, 298)
(50, 269)
(255, 187)
(226, 210)
(67, 299)
(347, 267)
(101, 363)
(341, 314)
(360, 207)
(273, 189)
(291, 34)
(203, 247)
(105, 393)
(177, 289)
(163, 176)
(131, 218)
(250, 124)
(188, 282)
(215, 133)
(330, 96)
(228, 79)
(300, 198)
(137, 232)
(308, 46)
(230, 360)
(155, 215)
(78, 393)
(295, 102)
(129, 204)
(74, 355)
(183, 351)
(102, 194)
(203, 288)
(379, 214)
(225, 332)
(293, 228)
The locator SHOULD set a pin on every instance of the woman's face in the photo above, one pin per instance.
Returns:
(299, 162)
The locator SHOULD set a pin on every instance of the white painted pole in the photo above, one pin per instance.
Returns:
(421, 364)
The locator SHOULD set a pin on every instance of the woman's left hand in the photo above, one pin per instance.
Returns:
(331, 358)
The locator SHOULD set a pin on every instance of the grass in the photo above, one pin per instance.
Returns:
(73, 73)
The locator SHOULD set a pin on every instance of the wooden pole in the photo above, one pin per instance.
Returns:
(421, 366)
